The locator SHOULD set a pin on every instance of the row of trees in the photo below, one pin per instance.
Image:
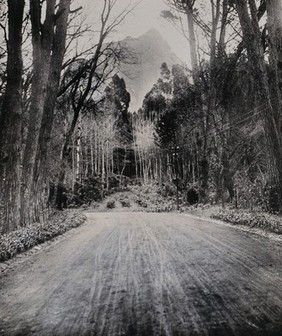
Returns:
(102, 142)
(218, 126)
(49, 80)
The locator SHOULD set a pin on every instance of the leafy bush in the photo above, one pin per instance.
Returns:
(142, 203)
(268, 222)
(25, 238)
(125, 203)
(250, 193)
(152, 198)
(111, 204)
(167, 189)
(88, 191)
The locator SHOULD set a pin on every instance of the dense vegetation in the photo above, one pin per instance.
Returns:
(209, 132)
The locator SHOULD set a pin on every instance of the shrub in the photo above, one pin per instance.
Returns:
(25, 238)
(250, 193)
(125, 203)
(268, 222)
(151, 197)
(167, 189)
(111, 204)
(192, 196)
(88, 191)
(141, 203)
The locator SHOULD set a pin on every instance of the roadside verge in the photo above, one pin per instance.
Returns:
(25, 238)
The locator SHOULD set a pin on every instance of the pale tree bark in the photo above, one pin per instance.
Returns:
(186, 7)
(216, 6)
(222, 34)
(78, 151)
(192, 39)
(10, 120)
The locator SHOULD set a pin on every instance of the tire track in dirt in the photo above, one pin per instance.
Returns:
(203, 275)
(178, 256)
(253, 269)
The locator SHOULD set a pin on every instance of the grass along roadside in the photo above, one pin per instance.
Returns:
(259, 220)
(25, 238)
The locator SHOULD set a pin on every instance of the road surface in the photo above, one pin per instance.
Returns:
(147, 274)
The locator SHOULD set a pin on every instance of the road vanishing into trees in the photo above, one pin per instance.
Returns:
(126, 273)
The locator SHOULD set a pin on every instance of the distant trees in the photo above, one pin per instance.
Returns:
(148, 162)
(102, 139)
(83, 78)
(116, 101)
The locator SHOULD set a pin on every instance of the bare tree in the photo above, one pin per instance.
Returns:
(92, 73)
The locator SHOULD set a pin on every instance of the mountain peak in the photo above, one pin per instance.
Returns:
(153, 35)
(151, 50)
(153, 32)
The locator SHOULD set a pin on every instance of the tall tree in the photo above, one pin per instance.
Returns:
(117, 101)
(10, 119)
(252, 40)
(274, 27)
(187, 7)
(58, 52)
(43, 49)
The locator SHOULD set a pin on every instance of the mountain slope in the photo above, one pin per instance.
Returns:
(150, 51)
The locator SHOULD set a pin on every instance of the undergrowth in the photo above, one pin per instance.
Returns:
(152, 199)
(262, 220)
(27, 237)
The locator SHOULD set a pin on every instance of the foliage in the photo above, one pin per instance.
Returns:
(111, 204)
(88, 191)
(26, 237)
(152, 198)
(166, 129)
(125, 203)
(116, 101)
(250, 193)
(261, 220)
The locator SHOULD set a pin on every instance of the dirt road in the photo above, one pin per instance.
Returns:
(147, 274)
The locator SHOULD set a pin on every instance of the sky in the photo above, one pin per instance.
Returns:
(144, 17)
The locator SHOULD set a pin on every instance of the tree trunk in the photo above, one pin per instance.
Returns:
(78, 152)
(192, 40)
(224, 21)
(58, 51)
(215, 21)
(274, 25)
(42, 41)
(251, 33)
(10, 120)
